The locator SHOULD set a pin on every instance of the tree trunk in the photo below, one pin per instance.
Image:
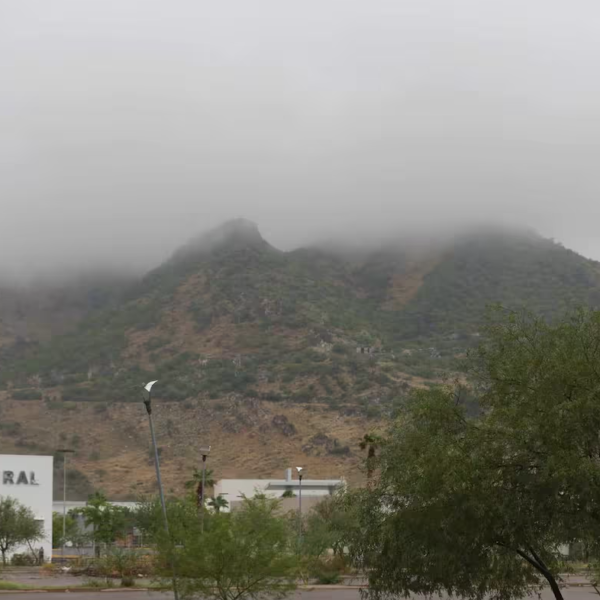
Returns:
(537, 563)
(553, 585)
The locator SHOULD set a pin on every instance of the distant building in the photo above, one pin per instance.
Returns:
(28, 479)
(313, 490)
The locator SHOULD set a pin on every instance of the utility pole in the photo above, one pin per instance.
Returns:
(147, 404)
(299, 469)
(64, 452)
(205, 452)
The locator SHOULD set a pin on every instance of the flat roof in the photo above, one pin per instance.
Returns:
(29, 455)
(291, 481)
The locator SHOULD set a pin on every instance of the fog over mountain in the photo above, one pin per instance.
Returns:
(129, 127)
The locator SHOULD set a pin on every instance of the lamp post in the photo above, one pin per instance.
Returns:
(147, 403)
(64, 452)
(205, 450)
(299, 469)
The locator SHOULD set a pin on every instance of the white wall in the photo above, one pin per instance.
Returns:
(233, 489)
(34, 492)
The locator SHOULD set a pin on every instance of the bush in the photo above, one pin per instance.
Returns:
(328, 578)
(155, 343)
(23, 560)
(340, 450)
(10, 427)
(372, 412)
(340, 349)
(230, 559)
(26, 394)
(328, 571)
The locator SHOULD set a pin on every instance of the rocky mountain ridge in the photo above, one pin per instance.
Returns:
(273, 357)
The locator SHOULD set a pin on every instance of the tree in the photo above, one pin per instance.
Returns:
(328, 524)
(195, 483)
(370, 442)
(182, 513)
(478, 506)
(72, 531)
(108, 522)
(218, 503)
(245, 553)
(17, 526)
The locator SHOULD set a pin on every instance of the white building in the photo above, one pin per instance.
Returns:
(233, 490)
(28, 479)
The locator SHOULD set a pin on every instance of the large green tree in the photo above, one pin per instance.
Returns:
(18, 526)
(481, 505)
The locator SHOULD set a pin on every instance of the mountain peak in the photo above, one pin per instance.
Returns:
(231, 235)
(238, 229)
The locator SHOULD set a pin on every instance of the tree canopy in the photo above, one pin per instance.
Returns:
(108, 522)
(248, 553)
(481, 505)
(17, 526)
(72, 531)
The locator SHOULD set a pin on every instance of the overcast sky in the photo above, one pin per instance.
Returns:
(126, 126)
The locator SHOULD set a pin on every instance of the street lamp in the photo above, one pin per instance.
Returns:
(147, 403)
(299, 469)
(64, 452)
(205, 451)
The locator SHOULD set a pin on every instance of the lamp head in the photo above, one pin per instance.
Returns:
(205, 450)
(146, 400)
(148, 386)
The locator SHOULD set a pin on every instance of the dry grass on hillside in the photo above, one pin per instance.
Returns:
(113, 445)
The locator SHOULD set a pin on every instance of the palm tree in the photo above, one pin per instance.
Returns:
(218, 503)
(370, 442)
(196, 482)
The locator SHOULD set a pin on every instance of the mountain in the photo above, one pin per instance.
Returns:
(272, 357)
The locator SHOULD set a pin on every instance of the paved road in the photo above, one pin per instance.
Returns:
(573, 593)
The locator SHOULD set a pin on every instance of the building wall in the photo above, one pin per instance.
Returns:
(289, 504)
(233, 489)
(33, 491)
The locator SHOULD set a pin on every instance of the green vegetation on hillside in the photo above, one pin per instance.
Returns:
(293, 322)
(514, 271)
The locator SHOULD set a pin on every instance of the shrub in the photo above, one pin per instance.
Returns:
(328, 578)
(10, 427)
(155, 343)
(29, 394)
(23, 560)
(340, 450)
(340, 349)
